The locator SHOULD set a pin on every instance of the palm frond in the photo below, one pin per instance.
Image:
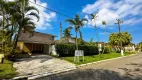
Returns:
(28, 8)
(34, 14)
(72, 22)
(84, 19)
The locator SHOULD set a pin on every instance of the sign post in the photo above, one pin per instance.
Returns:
(78, 53)
(100, 47)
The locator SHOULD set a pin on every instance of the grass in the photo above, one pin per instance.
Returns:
(6, 70)
(94, 58)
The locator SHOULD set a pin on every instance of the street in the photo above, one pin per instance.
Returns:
(127, 68)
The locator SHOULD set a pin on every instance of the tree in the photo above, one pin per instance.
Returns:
(104, 23)
(139, 46)
(77, 22)
(18, 19)
(25, 22)
(114, 39)
(67, 32)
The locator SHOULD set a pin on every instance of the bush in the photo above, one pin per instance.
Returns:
(69, 49)
(107, 50)
(19, 54)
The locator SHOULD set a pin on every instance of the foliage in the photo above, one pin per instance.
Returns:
(6, 70)
(69, 49)
(80, 41)
(67, 32)
(114, 39)
(77, 22)
(15, 18)
(19, 54)
(139, 46)
(6, 43)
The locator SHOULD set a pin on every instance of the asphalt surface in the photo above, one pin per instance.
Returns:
(127, 68)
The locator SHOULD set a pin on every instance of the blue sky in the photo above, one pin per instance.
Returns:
(130, 11)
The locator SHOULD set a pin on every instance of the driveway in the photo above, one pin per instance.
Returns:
(40, 64)
(127, 68)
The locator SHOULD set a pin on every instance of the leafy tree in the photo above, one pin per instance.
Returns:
(18, 19)
(77, 22)
(139, 46)
(114, 39)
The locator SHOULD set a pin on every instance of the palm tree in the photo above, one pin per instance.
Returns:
(67, 32)
(24, 22)
(77, 23)
(104, 23)
(94, 16)
(114, 39)
(16, 18)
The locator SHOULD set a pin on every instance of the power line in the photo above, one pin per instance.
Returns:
(62, 14)
(51, 9)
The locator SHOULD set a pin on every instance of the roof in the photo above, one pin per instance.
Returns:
(37, 37)
(66, 41)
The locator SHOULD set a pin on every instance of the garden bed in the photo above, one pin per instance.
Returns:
(6, 70)
(94, 58)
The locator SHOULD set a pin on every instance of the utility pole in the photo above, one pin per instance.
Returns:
(60, 30)
(120, 22)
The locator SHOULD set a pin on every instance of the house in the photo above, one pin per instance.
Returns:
(38, 43)
(130, 48)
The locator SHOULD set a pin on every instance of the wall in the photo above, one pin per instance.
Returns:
(25, 47)
(46, 49)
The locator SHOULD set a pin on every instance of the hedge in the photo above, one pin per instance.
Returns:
(69, 49)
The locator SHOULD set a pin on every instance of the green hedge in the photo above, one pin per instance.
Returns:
(69, 49)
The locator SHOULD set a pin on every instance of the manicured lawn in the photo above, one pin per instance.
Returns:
(94, 58)
(6, 70)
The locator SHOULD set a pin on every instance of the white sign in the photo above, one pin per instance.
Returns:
(100, 49)
(100, 45)
(78, 53)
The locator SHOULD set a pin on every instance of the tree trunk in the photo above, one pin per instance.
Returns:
(76, 42)
(15, 41)
(2, 60)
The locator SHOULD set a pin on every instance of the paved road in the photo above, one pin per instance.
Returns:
(128, 68)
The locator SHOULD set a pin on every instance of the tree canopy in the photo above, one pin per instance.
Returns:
(16, 18)
(115, 39)
(77, 22)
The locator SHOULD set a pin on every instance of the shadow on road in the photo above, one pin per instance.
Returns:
(90, 74)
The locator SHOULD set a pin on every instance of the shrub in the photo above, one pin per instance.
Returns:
(19, 54)
(69, 49)
(107, 50)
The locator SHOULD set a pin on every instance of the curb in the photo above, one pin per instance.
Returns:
(104, 60)
(35, 76)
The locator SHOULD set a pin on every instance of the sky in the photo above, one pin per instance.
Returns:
(129, 11)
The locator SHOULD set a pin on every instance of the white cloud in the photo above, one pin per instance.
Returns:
(45, 18)
(110, 10)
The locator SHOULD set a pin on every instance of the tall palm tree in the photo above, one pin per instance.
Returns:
(24, 22)
(94, 16)
(77, 22)
(104, 23)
